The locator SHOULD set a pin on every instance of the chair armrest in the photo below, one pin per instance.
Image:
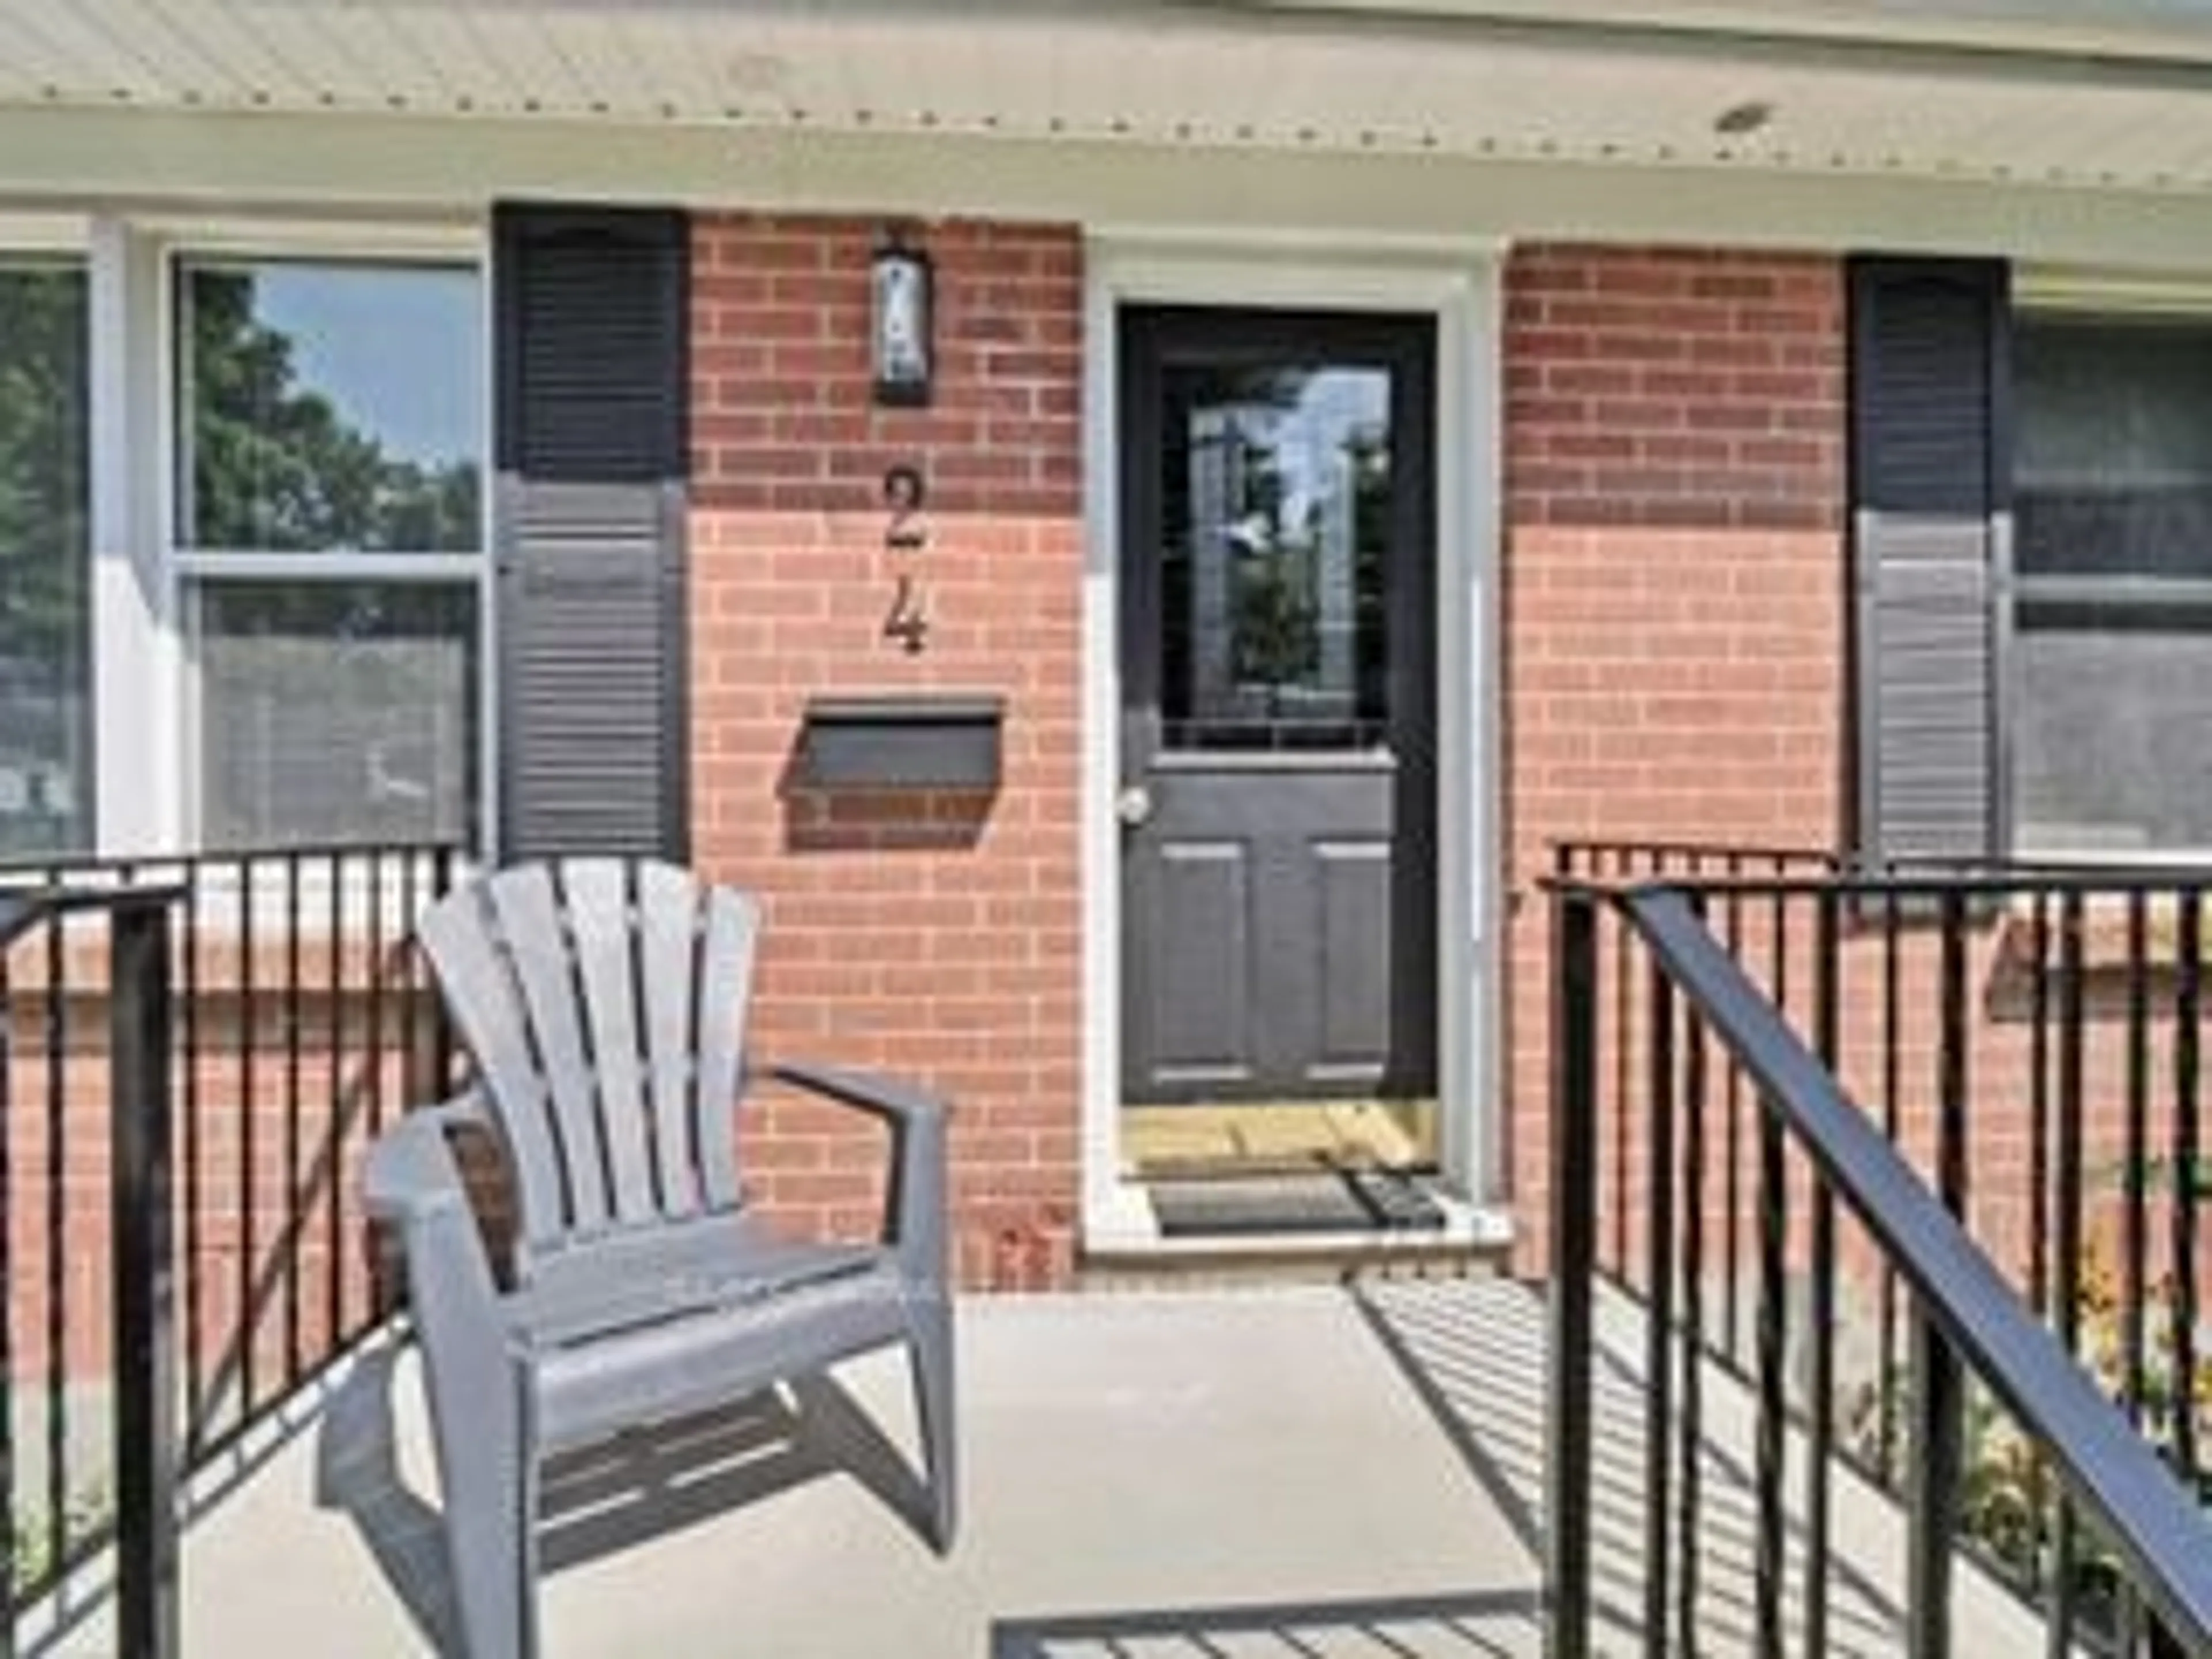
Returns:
(412, 1182)
(913, 1208)
(410, 1174)
(892, 1099)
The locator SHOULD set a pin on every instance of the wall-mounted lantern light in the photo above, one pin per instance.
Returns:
(899, 288)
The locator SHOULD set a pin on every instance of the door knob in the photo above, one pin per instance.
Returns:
(1134, 805)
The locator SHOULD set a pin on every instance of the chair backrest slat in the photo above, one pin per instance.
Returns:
(606, 1007)
(668, 961)
(527, 909)
(478, 986)
(725, 986)
(594, 893)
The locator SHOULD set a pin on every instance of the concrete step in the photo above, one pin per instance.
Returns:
(1455, 1239)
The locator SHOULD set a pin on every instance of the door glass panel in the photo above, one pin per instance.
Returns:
(1275, 493)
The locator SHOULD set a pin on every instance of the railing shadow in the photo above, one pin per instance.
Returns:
(1496, 1625)
(1475, 1355)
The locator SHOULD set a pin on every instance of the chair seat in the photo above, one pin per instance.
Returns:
(623, 1282)
(650, 1324)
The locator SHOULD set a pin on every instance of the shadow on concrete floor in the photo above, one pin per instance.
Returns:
(1500, 1624)
(608, 1497)
(1477, 1359)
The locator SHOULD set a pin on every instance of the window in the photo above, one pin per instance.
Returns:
(2112, 672)
(45, 693)
(328, 518)
(1275, 492)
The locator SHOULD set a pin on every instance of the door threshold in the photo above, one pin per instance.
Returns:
(1251, 1140)
(1326, 1201)
(1129, 1232)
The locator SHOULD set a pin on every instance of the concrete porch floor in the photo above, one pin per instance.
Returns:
(1250, 1473)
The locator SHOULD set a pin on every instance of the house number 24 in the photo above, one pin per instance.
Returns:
(906, 532)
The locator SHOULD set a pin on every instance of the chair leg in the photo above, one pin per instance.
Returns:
(487, 1465)
(931, 1355)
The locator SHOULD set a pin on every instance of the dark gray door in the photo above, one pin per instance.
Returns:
(1278, 805)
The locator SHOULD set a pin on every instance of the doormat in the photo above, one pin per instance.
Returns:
(1343, 1201)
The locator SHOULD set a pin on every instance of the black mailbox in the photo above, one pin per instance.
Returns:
(913, 741)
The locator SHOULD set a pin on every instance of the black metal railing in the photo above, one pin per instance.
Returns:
(1774, 1079)
(194, 1054)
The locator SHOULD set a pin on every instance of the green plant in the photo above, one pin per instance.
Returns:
(2008, 1493)
(40, 1558)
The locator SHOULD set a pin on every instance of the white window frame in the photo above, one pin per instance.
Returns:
(183, 566)
(2080, 292)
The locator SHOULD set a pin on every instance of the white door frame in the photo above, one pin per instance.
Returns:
(1455, 281)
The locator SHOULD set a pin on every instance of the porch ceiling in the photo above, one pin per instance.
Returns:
(1597, 79)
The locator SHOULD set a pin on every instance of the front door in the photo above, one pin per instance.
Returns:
(1277, 804)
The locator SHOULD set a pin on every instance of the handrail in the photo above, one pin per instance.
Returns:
(17, 916)
(1918, 883)
(13, 866)
(2106, 1467)
(25, 909)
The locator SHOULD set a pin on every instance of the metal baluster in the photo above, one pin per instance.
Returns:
(441, 1029)
(146, 1520)
(375, 1063)
(2038, 1142)
(2038, 1106)
(57, 1217)
(1893, 1016)
(1568, 1467)
(1939, 1381)
(1687, 1635)
(334, 1132)
(1731, 1195)
(2136, 1224)
(1658, 1359)
(412, 1089)
(1771, 1560)
(195, 1259)
(1622, 1163)
(2067, 1243)
(247, 1342)
(292, 1223)
(8, 1540)
(1771, 1565)
(2188, 946)
(1820, 1316)
(373, 1040)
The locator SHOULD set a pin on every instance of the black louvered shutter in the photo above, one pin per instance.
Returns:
(1931, 555)
(593, 455)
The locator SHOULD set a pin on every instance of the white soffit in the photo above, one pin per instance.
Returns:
(1586, 80)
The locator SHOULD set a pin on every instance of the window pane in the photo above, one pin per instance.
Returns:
(341, 712)
(2114, 465)
(2110, 744)
(2114, 655)
(331, 407)
(1275, 496)
(45, 732)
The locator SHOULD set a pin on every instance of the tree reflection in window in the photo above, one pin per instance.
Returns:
(46, 737)
(278, 463)
(1276, 503)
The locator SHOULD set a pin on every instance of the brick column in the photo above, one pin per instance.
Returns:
(932, 934)
(1674, 593)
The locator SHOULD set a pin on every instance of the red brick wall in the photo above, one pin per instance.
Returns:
(932, 935)
(1675, 579)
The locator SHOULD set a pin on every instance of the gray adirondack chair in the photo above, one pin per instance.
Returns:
(605, 1004)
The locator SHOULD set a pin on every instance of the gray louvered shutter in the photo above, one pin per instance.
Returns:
(1931, 555)
(593, 455)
